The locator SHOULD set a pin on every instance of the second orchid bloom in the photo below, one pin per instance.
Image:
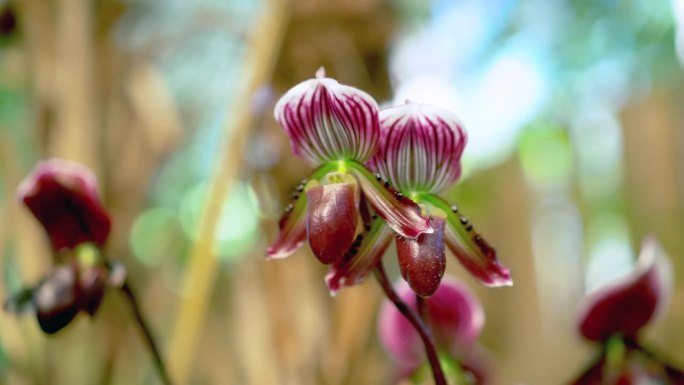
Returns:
(349, 213)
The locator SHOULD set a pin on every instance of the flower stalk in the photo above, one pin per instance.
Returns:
(421, 305)
(63, 197)
(148, 338)
(415, 321)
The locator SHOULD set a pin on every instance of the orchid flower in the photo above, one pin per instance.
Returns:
(456, 319)
(613, 317)
(335, 128)
(420, 154)
(63, 197)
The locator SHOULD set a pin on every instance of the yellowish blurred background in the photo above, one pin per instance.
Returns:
(575, 116)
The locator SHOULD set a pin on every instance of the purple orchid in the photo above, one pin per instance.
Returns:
(63, 197)
(420, 154)
(613, 317)
(335, 128)
(456, 319)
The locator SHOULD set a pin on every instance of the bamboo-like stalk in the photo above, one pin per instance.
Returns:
(74, 134)
(199, 278)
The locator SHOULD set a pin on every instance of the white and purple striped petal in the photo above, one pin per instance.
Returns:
(327, 121)
(420, 147)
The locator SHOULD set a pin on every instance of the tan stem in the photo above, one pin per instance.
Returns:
(200, 276)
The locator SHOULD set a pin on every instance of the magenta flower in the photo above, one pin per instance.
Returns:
(456, 319)
(335, 127)
(420, 154)
(63, 196)
(614, 316)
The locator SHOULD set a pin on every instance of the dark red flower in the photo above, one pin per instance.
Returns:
(624, 307)
(614, 315)
(420, 153)
(63, 196)
(336, 128)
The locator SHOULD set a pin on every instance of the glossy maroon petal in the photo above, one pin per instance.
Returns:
(63, 197)
(55, 299)
(332, 219)
(292, 225)
(626, 306)
(420, 147)
(327, 121)
(361, 258)
(455, 315)
(422, 260)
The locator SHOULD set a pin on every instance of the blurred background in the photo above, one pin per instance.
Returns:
(575, 116)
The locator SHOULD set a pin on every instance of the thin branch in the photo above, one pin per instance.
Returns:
(417, 323)
(147, 334)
